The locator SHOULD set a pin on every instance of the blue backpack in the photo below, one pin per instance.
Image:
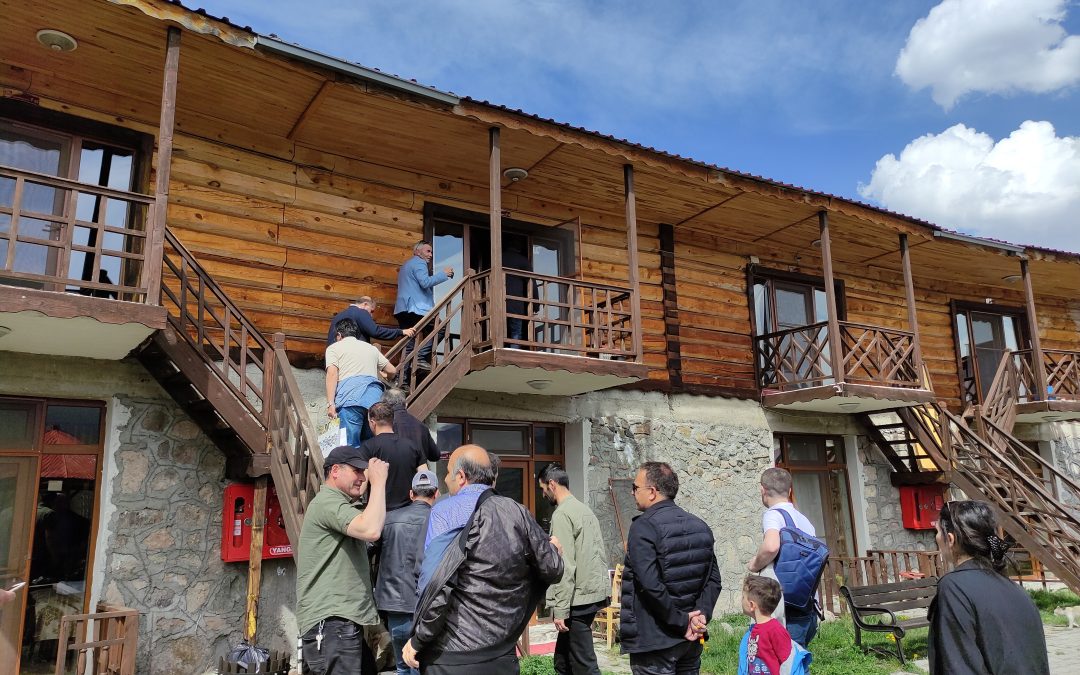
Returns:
(799, 564)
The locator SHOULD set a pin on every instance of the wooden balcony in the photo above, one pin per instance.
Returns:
(1059, 400)
(80, 279)
(876, 368)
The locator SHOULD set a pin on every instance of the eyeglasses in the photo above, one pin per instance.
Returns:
(635, 487)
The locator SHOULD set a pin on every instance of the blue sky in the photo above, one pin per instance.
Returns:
(812, 93)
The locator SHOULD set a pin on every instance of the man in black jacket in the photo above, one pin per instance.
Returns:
(483, 592)
(402, 552)
(670, 579)
(360, 311)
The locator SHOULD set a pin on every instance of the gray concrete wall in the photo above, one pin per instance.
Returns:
(158, 538)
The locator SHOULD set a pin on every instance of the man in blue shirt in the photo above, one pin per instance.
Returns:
(360, 311)
(416, 295)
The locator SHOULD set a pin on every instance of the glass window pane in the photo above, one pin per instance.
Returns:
(29, 153)
(821, 306)
(34, 258)
(72, 425)
(807, 488)
(511, 483)
(1011, 333)
(548, 440)
(544, 508)
(962, 334)
(440, 474)
(17, 425)
(762, 311)
(804, 450)
(449, 436)
(508, 440)
(841, 511)
(834, 452)
(790, 309)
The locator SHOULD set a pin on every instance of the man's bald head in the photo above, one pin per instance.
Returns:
(468, 465)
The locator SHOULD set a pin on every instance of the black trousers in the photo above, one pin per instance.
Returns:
(681, 659)
(574, 653)
(338, 653)
(504, 665)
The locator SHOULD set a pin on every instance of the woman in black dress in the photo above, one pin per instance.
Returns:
(980, 621)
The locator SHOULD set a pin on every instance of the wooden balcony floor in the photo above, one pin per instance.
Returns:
(1038, 412)
(511, 371)
(846, 398)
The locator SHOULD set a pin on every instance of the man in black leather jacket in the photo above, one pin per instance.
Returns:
(483, 592)
(670, 580)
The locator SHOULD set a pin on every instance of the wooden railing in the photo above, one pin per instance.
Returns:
(1011, 380)
(215, 327)
(1041, 513)
(111, 650)
(878, 566)
(62, 235)
(1062, 374)
(878, 356)
(794, 358)
(799, 357)
(295, 458)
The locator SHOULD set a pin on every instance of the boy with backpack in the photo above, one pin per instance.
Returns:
(791, 553)
(767, 649)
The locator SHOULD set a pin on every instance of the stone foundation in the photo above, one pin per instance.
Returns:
(884, 522)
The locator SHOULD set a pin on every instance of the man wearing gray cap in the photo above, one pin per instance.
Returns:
(333, 585)
(402, 554)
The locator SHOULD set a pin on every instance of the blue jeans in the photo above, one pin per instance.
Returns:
(801, 626)
(354, 419)
(400, 626)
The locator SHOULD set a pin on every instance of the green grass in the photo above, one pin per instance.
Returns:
(540, 665)
(1047, 601)
(833, 649)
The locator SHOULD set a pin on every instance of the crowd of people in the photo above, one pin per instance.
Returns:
(457, 579)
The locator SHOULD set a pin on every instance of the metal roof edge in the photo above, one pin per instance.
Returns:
(992, 243)
(311, 56)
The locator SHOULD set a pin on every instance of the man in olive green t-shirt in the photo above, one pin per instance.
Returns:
(584, 588)
(333, 586)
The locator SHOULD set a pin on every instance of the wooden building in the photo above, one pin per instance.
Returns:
(187, 200)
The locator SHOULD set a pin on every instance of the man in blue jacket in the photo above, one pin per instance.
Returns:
(670, 580)
(360, 311)
(416, 294)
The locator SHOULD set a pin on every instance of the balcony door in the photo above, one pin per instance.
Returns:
(784, 304)
(983, 336)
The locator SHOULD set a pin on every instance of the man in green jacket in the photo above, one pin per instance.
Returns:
(584, 589)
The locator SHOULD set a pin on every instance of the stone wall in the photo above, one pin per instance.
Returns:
(1066, 449)
(882, 509)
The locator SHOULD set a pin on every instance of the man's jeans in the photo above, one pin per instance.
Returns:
(400, 625)
(339, 651)
(354, 419)
(802, 626)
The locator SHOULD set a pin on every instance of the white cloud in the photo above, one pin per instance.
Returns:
(993, 46)
(1024, 188)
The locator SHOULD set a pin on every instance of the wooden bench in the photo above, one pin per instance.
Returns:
(887, 601)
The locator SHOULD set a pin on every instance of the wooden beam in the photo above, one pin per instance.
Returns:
(913, 319)
(1037, 364)
(670, 301)
(155, 238)
(632, 252)
(497, 301)
(836, 358)
(312, 107)
(258, 523)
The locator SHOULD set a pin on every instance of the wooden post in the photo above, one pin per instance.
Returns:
(1038, 368)
(497, 299)
(258, 521)
(632, 259)
(155, 236)
(913, 319)
(836, 356)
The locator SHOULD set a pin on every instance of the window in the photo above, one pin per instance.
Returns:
(50, 456)
(820, 483)
(983, 334)
(39, 245)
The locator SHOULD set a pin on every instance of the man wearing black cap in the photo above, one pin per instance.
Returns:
(334, 599)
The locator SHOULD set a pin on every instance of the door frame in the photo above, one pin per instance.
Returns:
(966, 307)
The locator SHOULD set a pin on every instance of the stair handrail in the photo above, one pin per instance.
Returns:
(248, 331)
(999, 404)
(432, 333)
(1004, 442)
(295, 456)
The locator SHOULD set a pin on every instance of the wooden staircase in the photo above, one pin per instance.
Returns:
(234, 383)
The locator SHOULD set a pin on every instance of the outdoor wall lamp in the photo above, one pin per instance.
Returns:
(539, 385)
(57, 41)
(516, 173)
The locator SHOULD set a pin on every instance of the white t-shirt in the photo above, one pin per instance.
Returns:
(353, 357)
(772, 520)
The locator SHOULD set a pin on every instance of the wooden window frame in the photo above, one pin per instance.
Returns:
(780, 459)
(965, 307)
(756, 274)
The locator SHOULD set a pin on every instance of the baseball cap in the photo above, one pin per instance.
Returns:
(423, 479)
(345, 454)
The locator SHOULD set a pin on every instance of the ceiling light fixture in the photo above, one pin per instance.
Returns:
(539, 385)
(57, 41)
(4, 330)
(849, 405)
(516, 173)
(816, 243)
(1011, 278)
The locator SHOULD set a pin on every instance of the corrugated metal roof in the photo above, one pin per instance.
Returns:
(644, 148)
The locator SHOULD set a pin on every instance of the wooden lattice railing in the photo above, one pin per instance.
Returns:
(878, 356)
(110, 651)
(1062, 374)
(1011, 380)
(799, 357)
(63, 235)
